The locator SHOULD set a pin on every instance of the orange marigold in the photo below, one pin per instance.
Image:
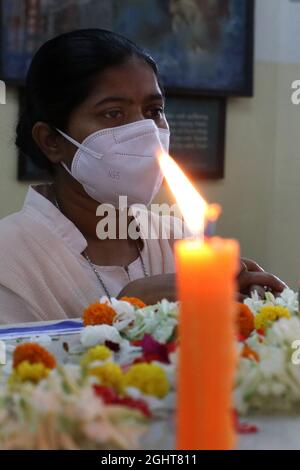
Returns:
(98, 314)
(135, 301)
(245, 321)
(34, 354)
(249, 353)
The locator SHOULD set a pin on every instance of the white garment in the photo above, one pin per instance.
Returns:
(43, 275)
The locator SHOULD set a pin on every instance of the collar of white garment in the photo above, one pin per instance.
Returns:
(43, 211)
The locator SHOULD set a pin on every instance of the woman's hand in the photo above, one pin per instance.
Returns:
(152, 289)
(252, 277)
(163, 286)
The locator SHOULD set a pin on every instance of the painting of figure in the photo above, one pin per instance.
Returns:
(200, 45)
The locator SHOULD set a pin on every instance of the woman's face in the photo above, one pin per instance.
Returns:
(121, 95)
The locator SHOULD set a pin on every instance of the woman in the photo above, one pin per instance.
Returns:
(94, 110)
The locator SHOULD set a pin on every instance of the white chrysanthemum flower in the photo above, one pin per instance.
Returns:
(272, 361)
(120, 306)
(125, 312)
(273, 383)
(128, 353)
(158, 320)
(288, 298)
(285, 330)
(97, 334)
(156, 405)
(255, 303)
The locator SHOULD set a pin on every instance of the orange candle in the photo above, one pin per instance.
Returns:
(206, 272)
(206, 287)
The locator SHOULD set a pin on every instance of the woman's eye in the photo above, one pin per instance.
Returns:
(156, 113)
(113, 114)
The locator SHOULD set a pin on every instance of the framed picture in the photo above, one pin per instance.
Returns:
(198, 135)
(201, 46)
(27, 24)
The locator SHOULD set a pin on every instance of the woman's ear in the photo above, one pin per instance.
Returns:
(48, 140)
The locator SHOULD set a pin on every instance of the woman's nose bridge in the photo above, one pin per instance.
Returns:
(136, 114)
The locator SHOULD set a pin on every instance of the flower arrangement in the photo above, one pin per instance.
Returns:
(122, 373)
(47, 407)
(267, 379)
(266, 328)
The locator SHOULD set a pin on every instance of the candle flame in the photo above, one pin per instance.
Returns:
(213, 212)
(191, 204)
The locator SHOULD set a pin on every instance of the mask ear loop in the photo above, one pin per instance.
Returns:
(91, 152)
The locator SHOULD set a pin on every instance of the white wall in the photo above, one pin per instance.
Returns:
(11, 191)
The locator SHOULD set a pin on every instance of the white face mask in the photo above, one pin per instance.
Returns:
(120, 161)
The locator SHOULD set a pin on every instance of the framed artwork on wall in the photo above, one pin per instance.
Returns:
(198, 135)
(201, 46)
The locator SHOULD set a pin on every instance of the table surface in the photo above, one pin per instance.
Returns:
(278, 432)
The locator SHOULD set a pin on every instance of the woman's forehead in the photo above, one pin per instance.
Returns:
(131, 78)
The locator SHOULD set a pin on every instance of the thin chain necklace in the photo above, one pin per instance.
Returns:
(101, 282)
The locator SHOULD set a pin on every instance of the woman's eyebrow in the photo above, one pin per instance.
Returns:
(155, 97)
(114, 99)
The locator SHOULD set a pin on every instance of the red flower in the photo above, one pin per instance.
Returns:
(153, 350)
(110, 397)
(243, 428)
(261, 332)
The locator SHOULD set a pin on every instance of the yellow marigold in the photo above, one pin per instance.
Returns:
(33, 353)
(98, 314)
(135, 301)
(268, 314)
(98, 353)
(245, 320)
(109, 375)
(150, 379)
(26, 371)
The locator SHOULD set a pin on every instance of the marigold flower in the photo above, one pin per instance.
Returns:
(135, 301)
(98, 353)
(33, 353)
(245, 321)
(109, 375)
(269, 314)
(26, 371)
(249, 353)
(150, 379)
(98, 314)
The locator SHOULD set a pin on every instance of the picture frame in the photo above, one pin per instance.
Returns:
(203, 47)
(198, 130)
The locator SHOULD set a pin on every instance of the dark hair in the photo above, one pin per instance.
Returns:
(60, 76)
